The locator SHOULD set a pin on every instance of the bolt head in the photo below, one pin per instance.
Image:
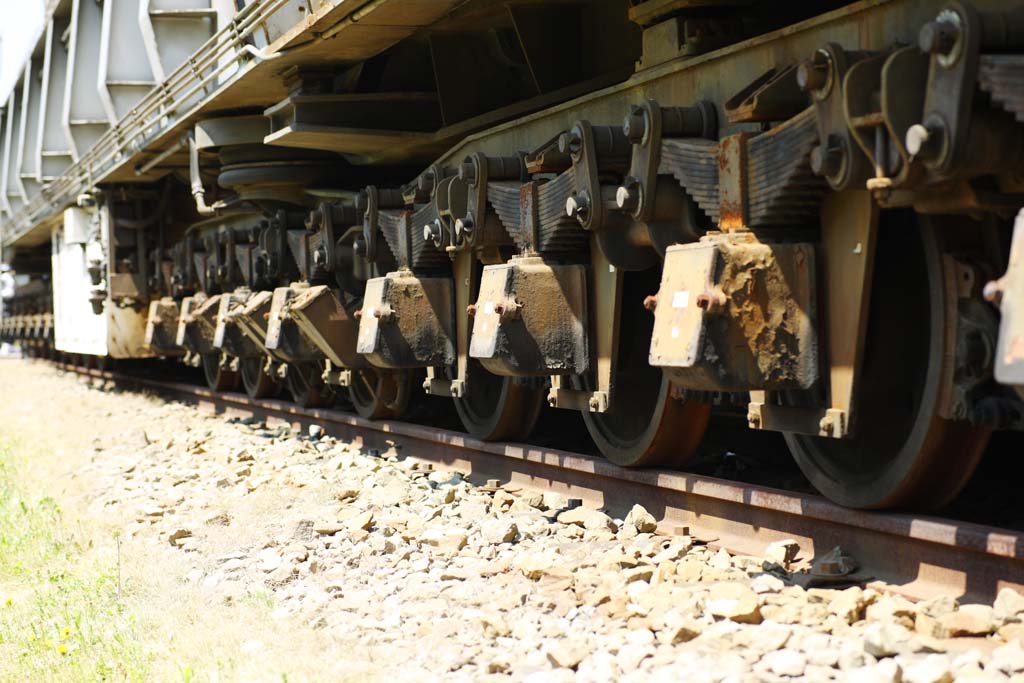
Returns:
(627, 197)
(992, 292)
(425, 183)
(924, 141)
(570, 143)
(826, 159)
(826, 426)
(577, 206)
(571, 206)
(938, 37)
(711, 300)
(917, 137)
(635, 125)
(812, 75)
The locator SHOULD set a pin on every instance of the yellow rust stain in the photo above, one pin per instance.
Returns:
(731, 216)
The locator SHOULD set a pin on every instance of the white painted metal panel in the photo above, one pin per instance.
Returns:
(115, 331)
(76, 328)
(77, 226)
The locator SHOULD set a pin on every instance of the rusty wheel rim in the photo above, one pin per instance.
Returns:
(218, 378)
(306, 386)
(670, 435)
(257, 383)
(497, 408)
(644, 425)
(904, 454)
(378, 394)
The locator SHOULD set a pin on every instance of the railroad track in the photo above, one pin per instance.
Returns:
(918, 556)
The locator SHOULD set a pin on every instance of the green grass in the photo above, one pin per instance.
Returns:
(61, 616)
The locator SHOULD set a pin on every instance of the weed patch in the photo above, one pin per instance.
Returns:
(61, 617)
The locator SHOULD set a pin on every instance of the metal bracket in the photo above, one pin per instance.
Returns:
(576, 399)
(335, 376)
(837, 158)
(643, 128)
(585, 204)
(585, 143)
(827, 422)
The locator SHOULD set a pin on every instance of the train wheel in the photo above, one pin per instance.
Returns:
(496, 408)
(380, 394)
(306, 385)
(904, 454)
(218, 377)
(257, 383)
(644, 425)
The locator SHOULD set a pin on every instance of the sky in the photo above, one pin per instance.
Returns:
(21, 26)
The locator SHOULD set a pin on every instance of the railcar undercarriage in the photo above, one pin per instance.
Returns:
(653, 213)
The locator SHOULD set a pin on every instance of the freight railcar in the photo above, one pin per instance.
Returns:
(652, 212)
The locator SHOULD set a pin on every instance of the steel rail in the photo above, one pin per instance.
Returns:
(918, 556)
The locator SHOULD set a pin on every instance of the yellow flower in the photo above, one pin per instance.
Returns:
(62, 648)
(31, 637)
(64, 633)
(8, 602)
